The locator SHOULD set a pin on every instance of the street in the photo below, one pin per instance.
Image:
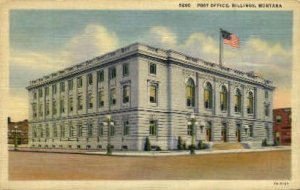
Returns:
(61, 166)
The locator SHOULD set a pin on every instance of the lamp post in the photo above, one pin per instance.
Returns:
(15, 135)
(109, 123)
(193, 123)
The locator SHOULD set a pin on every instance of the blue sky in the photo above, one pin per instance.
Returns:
(44, 41)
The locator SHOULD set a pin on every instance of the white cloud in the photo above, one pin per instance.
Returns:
(93, 41)
(27, 65)
(162, 36)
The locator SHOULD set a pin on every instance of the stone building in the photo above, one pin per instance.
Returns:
(148, 92)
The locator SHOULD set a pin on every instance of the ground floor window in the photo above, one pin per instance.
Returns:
(153, 127)
(189, 130)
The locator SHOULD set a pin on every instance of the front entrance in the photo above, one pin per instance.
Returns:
(224, 132)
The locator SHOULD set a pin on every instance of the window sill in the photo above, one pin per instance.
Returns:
(153, 104)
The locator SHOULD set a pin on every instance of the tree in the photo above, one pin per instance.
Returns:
(179, 145)
(147, 145)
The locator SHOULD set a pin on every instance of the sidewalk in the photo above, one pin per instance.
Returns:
(150, 153)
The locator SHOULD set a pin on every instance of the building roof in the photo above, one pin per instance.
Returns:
(154, 52)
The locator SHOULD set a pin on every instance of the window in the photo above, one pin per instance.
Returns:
(79, 102)
(267, 107)
(112, 72)
(34, 95)
(54, 110)
(47, 91)
(47, 108)
(90, 130)
(90, 79)
(70, 104)
(79, 130)
(40, 93)
(278, 119)
(47, 131)
(126, 94)
(153, 93)
(54, 89)
(100, 76)
(100, 129)
(34, 112)
(113, 100)
(190, 93)
(41, 109)
(41, 131)
(208, 96)
(62, 105)
(153, 127)
(250, 130)
(101, 99)
(54, 131)
(223, 99)
(125, 69)
(125, 128)
(62, 130)
(90, 100)
(190, 130)
(70, 84)
(250, 103)
(112, 130)
(34, 134)
(266, 94)
(237, 101)
(72, 131)
(62, 86)
(79, 82)
(152, 68)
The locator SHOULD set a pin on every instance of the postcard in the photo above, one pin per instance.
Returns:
(149, 94)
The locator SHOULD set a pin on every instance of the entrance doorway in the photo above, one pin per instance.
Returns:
(224, 132)
(208, 131)
(238, 132)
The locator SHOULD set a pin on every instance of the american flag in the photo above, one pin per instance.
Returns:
(230, 39)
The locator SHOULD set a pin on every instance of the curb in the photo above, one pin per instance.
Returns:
(157, 154)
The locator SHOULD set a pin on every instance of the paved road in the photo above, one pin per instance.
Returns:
(58, 166)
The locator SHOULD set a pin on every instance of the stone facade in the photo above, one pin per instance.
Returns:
(149, 92)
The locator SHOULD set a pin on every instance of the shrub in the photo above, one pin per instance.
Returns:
(201, 145)
(276, 142)
(184, 146)
(147, 145)
(264, 143)
(158, 148)
(179, 145)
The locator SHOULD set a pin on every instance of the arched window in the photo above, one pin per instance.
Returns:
(223, 98)
(250, 103)
(190, 93)
(208, 96)
(237, 101)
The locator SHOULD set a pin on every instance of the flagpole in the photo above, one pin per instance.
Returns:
(220, 48)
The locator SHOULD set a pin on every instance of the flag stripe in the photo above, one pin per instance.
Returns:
(232, 40)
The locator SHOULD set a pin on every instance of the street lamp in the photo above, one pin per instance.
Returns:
(193, 123)
(109, 123)
(15, 134)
